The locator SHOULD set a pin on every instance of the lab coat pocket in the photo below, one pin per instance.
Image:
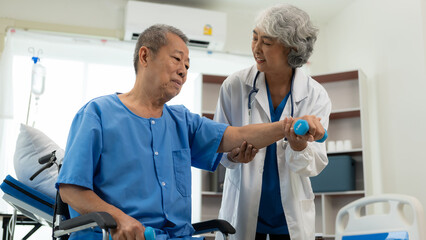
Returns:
(231, 197)
(234, 176)
(182, 169)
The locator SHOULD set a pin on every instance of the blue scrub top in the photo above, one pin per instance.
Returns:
(271, 218)
(142, 166)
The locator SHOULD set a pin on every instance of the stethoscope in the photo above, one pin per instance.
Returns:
(254, 90)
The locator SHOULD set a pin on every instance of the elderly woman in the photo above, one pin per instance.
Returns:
(272, 194)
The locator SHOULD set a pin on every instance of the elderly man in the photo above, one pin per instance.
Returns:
(131, 154)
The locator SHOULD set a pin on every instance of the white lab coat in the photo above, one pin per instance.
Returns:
(243, 182)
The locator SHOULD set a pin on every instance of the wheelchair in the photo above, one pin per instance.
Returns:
(54, 213)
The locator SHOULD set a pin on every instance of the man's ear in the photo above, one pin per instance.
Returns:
(144, 54)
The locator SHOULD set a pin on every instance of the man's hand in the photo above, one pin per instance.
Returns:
(243, 154)
(128, 228)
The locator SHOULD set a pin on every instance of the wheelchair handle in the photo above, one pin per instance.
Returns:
(48, 165)
(48, 160)
(301, 127)
(49, 157)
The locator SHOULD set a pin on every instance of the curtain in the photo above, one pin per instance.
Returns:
(6, 110)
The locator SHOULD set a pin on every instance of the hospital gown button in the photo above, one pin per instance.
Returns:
(163, 183)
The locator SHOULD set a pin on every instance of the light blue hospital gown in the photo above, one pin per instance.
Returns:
(142, 166)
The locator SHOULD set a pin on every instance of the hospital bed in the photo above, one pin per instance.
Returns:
(47, 211)
(401, 217)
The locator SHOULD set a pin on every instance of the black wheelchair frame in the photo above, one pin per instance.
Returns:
(63, 225)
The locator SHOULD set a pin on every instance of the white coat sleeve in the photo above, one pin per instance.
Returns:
(223, 115)
(313, 159)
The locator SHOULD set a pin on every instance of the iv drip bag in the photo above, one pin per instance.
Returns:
(37, 77)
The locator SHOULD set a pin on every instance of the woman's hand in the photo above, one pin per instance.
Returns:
(316, 130)
(243, 154)
(297, 142)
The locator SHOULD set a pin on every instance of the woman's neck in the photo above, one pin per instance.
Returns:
(279, 85)
(280, 78)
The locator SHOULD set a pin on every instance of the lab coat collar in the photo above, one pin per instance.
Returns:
(300, 86)
(300, 89)
(262, 95)
(250, 78)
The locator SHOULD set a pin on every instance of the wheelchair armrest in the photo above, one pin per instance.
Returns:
(213, 225)
(102, 219)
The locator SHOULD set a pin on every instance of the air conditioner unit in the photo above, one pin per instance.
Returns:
(204, 28)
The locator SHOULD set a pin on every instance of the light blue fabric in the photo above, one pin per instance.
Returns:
(142, 166)
(271, 218)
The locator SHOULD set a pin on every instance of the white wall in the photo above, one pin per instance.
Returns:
(79, 15)
(385, 39)
(94, 13)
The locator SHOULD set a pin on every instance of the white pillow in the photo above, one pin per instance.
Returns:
(31, 145)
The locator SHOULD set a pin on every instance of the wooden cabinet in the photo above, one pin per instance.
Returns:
(346, 123)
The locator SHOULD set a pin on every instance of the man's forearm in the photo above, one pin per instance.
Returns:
(258, 135)
(85, 200)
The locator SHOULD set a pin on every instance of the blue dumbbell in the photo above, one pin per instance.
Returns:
(301, 127)
(149, 234)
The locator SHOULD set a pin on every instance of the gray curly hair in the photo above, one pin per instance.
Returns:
(293, 28)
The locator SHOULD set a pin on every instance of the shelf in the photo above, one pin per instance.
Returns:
(216, 79)
(327, 236)
(211, 194)
(345, 193)
(208, 115)
(345, 123)
(333, 115)
(334, 77)
(346, 113)
(356, 192)
(352, 152)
